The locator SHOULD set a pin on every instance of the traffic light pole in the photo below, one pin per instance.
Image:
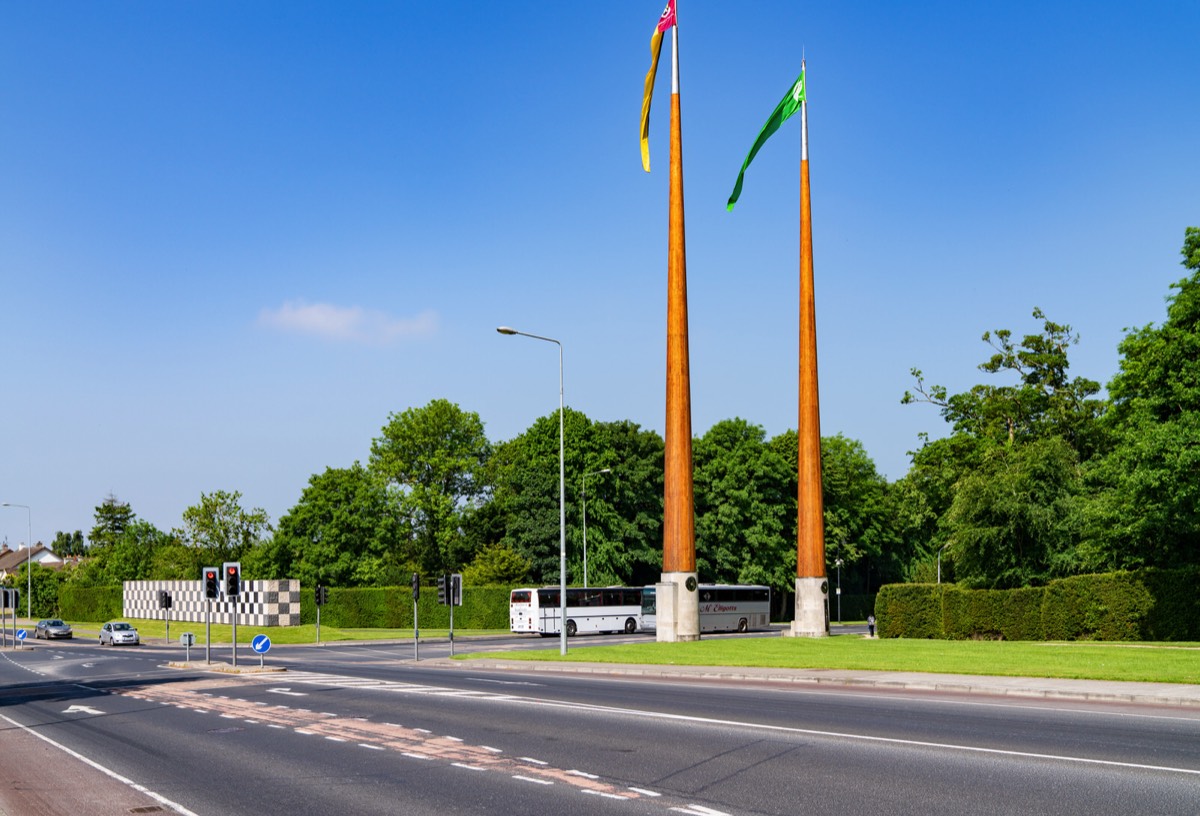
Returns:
(208, 631)
(234, 601)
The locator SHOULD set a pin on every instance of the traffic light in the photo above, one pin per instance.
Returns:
(442, 588)
(416, 582)
(212, 585)
(164, 599)
(456, 590)
(322, 595)
(233, 579)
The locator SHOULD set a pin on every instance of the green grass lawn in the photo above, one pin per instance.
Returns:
(1146, 662)
(1150, 662)
(154, 631)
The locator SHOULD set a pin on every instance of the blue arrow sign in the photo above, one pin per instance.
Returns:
(22, 634)
(261, 644)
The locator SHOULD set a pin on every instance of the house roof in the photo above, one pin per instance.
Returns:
(12, 560)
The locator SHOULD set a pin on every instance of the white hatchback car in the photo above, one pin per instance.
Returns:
(118, 632)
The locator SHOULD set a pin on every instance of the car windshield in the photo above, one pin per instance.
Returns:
(121, 627)
(54, 623)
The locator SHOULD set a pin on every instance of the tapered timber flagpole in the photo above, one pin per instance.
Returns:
(812, 588)
(679, 536)
(678, 607)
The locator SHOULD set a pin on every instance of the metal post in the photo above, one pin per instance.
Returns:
(234, 602)
(416, 633)
(318, 626)
(208, 631)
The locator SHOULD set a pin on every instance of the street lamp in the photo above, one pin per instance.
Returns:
(944, 546)
(28, 557)
(593, 473)
(838, 562)
(562, 479)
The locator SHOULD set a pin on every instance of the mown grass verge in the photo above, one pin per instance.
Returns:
(1144, 662)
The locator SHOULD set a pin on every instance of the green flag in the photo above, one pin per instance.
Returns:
(786, 107)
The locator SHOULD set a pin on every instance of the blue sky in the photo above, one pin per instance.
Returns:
(235, 236)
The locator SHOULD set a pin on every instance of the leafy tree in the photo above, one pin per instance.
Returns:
(1043, 403)
(742, 507)
(345, 531)
(1013, 522)
(624, 507)
(496, 565)
(113, 516)
(68, 544)
(1030, 437)
(128, 557)
(1146, 511)
(434, 458)
(220, 529)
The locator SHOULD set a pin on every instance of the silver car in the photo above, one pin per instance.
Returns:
(52, 628)
(118, 632)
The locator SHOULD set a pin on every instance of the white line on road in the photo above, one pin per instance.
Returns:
(162, 800)
(645, 792)
(531, 779)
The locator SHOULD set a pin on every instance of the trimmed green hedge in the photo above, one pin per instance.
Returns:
(1144, 605)
(909, 610)
(89, 603)
(392, 608)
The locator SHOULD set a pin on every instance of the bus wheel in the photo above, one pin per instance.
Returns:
(743, 626)
(571, 628)
(630, 626)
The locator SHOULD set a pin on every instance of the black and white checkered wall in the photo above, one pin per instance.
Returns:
(262, 603)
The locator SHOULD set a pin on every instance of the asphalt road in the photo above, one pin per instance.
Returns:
(365, 729)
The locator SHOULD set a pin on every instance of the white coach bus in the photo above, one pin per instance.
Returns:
(596, 609)
(723, 607)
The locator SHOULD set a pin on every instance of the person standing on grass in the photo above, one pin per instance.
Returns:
(870, 626)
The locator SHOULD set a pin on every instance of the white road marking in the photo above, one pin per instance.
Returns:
(79, 709)
(157, 797)
(531, 779)
(644, 792)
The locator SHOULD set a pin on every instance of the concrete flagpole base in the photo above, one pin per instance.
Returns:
(678, 608)
(812, 609)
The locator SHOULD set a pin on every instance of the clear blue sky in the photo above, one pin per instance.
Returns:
(235, 236)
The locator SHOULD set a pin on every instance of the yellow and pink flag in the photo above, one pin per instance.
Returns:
(664, 22)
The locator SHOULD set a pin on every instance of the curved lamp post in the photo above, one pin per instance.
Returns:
(593, 473)
(562, 513)
(944, 546)
(28, 557)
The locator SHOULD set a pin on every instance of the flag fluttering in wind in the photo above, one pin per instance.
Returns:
(664, 22)
(786, 107)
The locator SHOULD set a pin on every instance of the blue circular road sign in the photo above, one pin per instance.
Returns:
(22, 634)
(261, 644)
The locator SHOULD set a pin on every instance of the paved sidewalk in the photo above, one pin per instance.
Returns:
(1164, 694)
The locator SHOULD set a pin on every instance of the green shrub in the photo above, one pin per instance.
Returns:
(991, 614)
(909, 610)
(392, 608)
(89, 603)
(1147, 604)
